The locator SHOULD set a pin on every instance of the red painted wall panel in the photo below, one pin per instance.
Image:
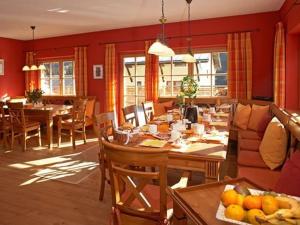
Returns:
(12, 83)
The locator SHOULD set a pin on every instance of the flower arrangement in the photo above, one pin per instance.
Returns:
(34, 96)
(189, 87)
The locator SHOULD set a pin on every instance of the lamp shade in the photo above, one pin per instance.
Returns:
(25, 68)
(189, 58)
(42, 67)
(33, 67)
(160, 49)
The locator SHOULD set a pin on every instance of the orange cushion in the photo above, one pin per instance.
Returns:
(273, 146)
(160, 108)
(90, 108)
(259, 118)
(241, 116)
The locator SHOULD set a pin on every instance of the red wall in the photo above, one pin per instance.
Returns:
(262, 45)
(12, 83)
(290, 14)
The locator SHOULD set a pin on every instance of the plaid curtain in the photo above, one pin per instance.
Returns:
(279, 66)
(151, 75)
(81, 85)
(31, 77)
(110, 78)
(239, 49)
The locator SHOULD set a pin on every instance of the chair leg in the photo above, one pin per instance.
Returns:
(12, 140)
(59, 136)
(24, 141)
(40, 136)
(102, 184)
(73, 138)
(84, 134)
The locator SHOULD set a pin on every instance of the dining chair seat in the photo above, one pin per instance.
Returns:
(28, 126)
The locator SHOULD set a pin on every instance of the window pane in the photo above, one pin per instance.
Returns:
(220, 91)
(177, 84)
(129, 100)
(129, 86)
(55, 87)
(219, 62)
(140, 100)
(203, 64)
(55, 69)
(204, 85)
(180, 67)
(140, 66)
(45, 86)
(69, 86)
(46, 73)
(140, 85)
(165, 86)
(68, 69)
(165, 66)
(129, 64)
(219, 80)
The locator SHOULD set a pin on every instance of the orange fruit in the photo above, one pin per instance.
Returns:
(269, 204)
(240, 199)
(235, 212)
(252, 202)
(229, 197)
(252, 214)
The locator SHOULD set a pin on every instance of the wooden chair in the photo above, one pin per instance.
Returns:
(148, 108)
(135, 199)
(5, 126)
(102, 124)
(130, 115)
(75, 124)
(21, 126)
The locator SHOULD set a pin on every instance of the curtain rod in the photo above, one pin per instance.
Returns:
(181, 36)
(57, 48)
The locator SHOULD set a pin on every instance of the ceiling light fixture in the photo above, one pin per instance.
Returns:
(33, 67)
(159, 47)
(189, 57)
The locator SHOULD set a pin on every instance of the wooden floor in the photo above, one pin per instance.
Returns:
(27, 201)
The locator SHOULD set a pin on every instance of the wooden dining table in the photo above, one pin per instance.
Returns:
(197, 153)
(45, 114)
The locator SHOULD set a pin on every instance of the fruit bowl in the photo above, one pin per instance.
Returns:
(220, 215)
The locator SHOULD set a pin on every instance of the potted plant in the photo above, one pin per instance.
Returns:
(34, 96)
(189, 88)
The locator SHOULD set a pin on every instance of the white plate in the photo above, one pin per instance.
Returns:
(220, 212)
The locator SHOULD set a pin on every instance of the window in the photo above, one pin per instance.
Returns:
(134, 80)
(210, 71)
(58, 78)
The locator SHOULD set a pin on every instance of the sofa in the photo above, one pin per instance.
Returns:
(250, 164)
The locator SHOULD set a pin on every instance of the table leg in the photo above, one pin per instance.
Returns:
(212, 171)
(179, 217)
(50, 132)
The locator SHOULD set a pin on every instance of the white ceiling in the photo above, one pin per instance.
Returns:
(16, 16)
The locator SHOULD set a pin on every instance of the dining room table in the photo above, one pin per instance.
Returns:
(46, 114)
(191, 152)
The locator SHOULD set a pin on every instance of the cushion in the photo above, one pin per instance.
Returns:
(249, 144)
(250, 158)
(259, 118)
(241, 116)
(160, 108)
(274, 144)
(290, 175)
(250, 134)
(265, 178)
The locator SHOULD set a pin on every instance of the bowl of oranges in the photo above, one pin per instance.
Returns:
(240, 205)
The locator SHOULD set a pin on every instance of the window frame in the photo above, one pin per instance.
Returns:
(61, 75)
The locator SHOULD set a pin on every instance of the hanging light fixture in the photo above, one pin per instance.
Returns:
(189, 57)
(33, 67)
(159, 47)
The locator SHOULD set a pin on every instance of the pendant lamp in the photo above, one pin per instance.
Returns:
(33, 67)
(189, 57)
(159, 47)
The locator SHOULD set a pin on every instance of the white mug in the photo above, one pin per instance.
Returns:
(169, 117)
(206, 117)
(198, 129)
(152, 128)
(175, 135)
(212, 110)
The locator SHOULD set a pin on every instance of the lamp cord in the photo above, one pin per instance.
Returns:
(163, 20)
(189, 22)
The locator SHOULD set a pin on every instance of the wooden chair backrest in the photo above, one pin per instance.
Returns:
(79, 110)
(125, 178)
(148, 108)
(2, 114)
(103, 122)
(16, 114)
(130, 115)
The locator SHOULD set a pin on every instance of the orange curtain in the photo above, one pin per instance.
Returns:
(239, 49)
(151, 75)
(81, 71)
(279, 66)
(110, 78)
(31, 77)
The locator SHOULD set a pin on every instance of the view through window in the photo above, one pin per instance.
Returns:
(58, 78)
(134, 80)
